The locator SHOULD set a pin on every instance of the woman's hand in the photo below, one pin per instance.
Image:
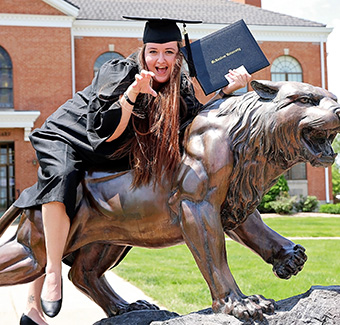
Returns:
(142, 83)
(238, 78)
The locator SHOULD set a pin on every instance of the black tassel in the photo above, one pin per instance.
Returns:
(190, 61)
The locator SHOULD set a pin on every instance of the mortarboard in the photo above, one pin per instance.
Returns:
(163, 30)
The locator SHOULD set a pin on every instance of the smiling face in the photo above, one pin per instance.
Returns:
(160, 59)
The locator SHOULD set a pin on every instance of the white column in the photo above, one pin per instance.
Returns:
(323, 84)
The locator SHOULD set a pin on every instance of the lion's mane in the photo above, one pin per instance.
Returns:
(255, 139)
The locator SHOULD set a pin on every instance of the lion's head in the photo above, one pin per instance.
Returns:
(271, 129)
(306, 118)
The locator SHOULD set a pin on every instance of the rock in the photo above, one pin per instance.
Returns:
(138, 317)
(319, 305)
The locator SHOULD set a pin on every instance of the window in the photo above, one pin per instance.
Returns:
(104, 58)
(298, 172)
(6, 80)
(7, 180)
(286, 68)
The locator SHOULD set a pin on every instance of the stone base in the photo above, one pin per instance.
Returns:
(319, 305)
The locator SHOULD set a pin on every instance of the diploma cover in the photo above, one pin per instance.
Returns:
(228, 48)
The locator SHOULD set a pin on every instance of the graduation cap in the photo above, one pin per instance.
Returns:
(163, 30)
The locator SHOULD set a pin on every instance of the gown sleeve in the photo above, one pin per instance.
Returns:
(104, 109)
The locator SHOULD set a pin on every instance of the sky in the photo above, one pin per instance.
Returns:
(322, 11)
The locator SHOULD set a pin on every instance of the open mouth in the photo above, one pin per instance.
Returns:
(161, 70)
(318, 144)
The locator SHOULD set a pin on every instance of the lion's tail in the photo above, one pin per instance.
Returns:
(8, 217)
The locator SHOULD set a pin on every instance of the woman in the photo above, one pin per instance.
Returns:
(133, 109)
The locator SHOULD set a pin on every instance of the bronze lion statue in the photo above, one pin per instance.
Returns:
(234, 151)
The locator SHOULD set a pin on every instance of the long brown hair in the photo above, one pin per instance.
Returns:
(155, 146)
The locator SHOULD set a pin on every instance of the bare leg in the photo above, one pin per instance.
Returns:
(56, 228)
(33, 306)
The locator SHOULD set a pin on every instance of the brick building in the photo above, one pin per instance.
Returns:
(50, 48)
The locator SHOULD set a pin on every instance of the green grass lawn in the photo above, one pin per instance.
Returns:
(171, 277)
(305, 227)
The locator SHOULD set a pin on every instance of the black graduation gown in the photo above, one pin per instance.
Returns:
(73, 138)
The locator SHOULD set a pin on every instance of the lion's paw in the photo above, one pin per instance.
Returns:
(290, 262)
(138, 305)
(245, 307)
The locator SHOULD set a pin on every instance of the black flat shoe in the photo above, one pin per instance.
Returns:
(25, 320)
(52, 308)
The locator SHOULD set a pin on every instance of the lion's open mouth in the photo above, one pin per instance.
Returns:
(319, 146)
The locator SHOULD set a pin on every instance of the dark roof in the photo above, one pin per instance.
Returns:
(209, 11)
(71, 3)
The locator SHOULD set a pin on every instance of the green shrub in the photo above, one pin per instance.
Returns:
(311, 204)
(284, 204)
(306, 204)
(280, 187)
(265, 206)
(335, 179)
(330, 208)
